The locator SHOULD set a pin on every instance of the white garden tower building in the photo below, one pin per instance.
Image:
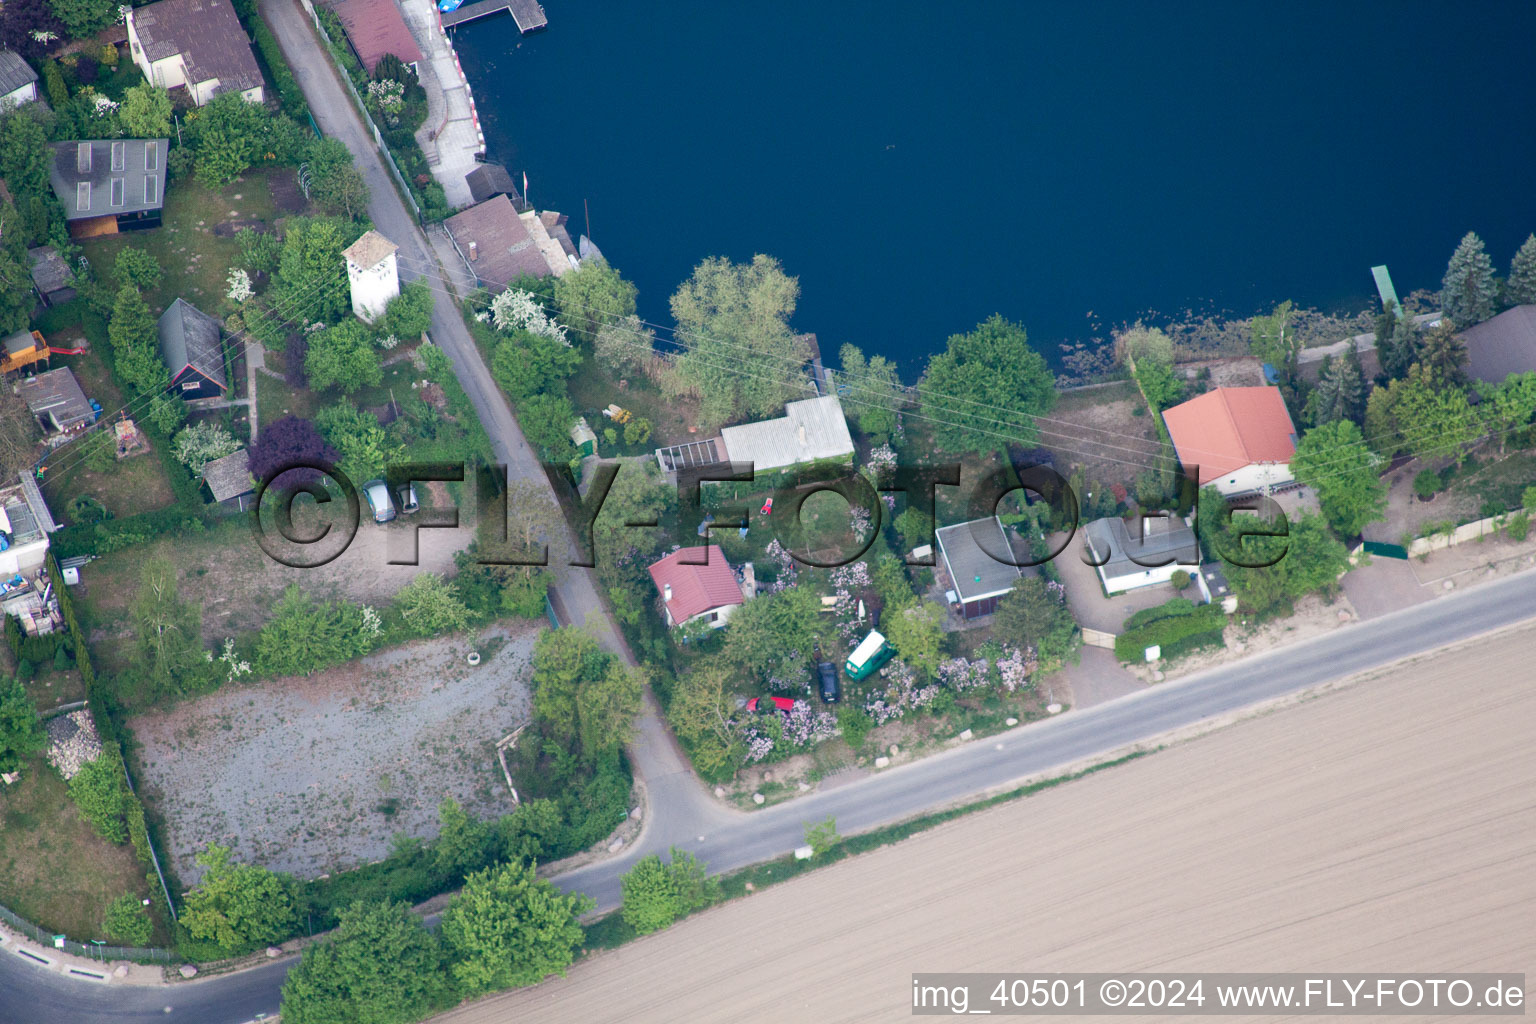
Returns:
(373, 274)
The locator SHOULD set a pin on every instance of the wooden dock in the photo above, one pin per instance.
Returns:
(527, 13)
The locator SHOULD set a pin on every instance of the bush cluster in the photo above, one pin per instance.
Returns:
(1178, 627)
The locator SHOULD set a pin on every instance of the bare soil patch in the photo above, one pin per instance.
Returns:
(319, 773)
(1099, 430)
(1370, 828)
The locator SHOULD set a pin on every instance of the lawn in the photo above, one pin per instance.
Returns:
(193, 246)
(56, 872)
(275, 399)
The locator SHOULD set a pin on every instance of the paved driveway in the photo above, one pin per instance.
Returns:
(1085, 595)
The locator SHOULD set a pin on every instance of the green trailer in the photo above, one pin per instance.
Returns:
(866, 658)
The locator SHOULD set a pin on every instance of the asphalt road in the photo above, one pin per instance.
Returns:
(30, 994)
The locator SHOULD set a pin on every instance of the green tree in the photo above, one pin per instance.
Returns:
(238, 907)
(463, 843)
(201, 443)
(311, 272)
(740, 356)
(335, 183)
(1334, 460)
(526, 364)
(21, 734)
(585, 697)
(84, 18)
(1397, 343)
(1139, 343)
(305, 635)
(701, 712)
(1159, 384)
(1421, 415)
(167, 652)
(380, 966)
(770, 638)
(227, 136)
(1340, 391)
(874, 396)
(821, 836)
(1510, 407)
(918, 635)
(656, 894)
(637, 495)
(1468, 291)
(137, 268)
(624, 347)
(409, 314)
(1520, 289)
(986, 388)
(145, 112)
(364, 446)
(1271, 572)
(508, 928)
(98, 791)
(343, 357)
(430, 604)
(1274, 339)
(1035, 612)
(1444, 355)
(546, 421)
(592, 297)
(127, 922)
(131, 331)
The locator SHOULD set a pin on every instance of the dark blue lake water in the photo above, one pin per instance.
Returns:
(1073, 166)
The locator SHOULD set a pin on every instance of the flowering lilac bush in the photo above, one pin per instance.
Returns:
(786, 564)
(960, 674)
(1015, 666)
(901, 694)
(805, 725)
(883, 457)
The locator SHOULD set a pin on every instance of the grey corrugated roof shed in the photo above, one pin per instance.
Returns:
(14, 72)
(230, 476)
(190, 337)
(56, 396)
(1504, 345)
(142, 174)
(49, 271)
(1162, 537)
(810, 429)
(975, 573)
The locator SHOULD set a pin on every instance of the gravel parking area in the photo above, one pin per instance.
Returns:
(319, 773)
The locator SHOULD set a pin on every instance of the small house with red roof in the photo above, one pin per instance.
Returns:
(1241, 439)
(708, 592)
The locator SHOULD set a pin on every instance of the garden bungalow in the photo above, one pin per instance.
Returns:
(198, 45)
(376, 29)
(57, 402)
(109, 185)
(697, 593)
(977, 580)
(190, 346)
(229, 479)
(18, 82)
(51, 277)
(1504, 345)
(1242, 439)
(1161, 539)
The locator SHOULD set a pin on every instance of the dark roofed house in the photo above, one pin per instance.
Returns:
(18, 82)
(196, 44)
(190, 346)
(109, 185)
(496, 243)
(51, 276)
(972, 556)
(1504, 345)
(488, 180)
(375, 28)
(55, 398)
(229, 479)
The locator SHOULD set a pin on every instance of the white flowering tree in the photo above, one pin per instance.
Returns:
(239, 283)
(517, 310)
(201, 443)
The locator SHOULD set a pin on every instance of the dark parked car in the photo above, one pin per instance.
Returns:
(831, 689)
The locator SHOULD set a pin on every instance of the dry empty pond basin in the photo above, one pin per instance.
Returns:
(311, 774)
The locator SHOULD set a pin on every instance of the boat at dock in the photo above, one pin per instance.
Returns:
(588, 250)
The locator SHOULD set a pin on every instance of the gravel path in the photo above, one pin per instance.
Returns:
(315, 774)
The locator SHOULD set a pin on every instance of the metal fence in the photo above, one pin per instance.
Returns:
(86, 949)
(362, 109)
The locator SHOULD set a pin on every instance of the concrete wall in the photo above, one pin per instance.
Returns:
(1462, 534)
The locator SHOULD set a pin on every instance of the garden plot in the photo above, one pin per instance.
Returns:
(320, 773)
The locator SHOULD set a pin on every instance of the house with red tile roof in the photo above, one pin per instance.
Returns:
(375, 28)
(708, 592)
(1242, 439)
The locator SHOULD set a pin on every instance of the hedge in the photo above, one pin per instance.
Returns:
(1176, 633)
(288, 92)
(1168, 609)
